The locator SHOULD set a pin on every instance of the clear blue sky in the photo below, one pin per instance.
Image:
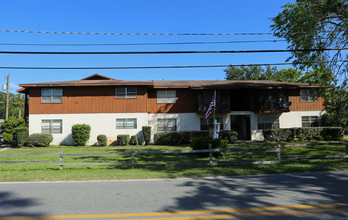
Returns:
(134, 16)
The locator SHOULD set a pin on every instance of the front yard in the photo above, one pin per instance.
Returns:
(51, 172)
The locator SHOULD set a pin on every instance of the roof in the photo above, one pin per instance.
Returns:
(100, 80)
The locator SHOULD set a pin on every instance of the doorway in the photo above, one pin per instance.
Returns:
(241, 124)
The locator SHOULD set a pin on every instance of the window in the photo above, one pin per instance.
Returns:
(126, 92)
(51, 95)
(308, 95)
(51, 126)
(166, 124)
(126, 123)
(166, 96)
(267, 123)
(204, 125)
(310, 121)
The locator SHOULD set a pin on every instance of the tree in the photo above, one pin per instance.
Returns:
(16, 105)
(315, 24)
(259, 73)
(336, 106)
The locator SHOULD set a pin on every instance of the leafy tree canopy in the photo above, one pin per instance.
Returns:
(315, 24)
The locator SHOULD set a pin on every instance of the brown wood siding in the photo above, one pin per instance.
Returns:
(88, 100)
(298, 105)
(186, 102)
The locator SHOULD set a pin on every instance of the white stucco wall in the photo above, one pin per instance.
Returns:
(100, 124)
(286, 120)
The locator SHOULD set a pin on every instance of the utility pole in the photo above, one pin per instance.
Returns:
(7, 96)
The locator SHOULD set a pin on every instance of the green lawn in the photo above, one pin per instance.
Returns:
(51, 172)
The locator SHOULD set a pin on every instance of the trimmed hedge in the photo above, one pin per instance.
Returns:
(80, 134)
(184, 137)
(39, 140)
(20, 137)
(9, 126)
(134, 140)
(317, 133)
(102, 140)
(147, 134)
(123, 139)
(202, 143)
(230, 136)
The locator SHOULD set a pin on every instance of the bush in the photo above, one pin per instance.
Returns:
(288, 134)
(123, 139)
(9, 126)
(39, 140)
(102, 140)
(134, 140)
(147, 134)
(202, 143)
(230, 136)
(20, 137)
(172, 138)
(80, 134)
(8, 138)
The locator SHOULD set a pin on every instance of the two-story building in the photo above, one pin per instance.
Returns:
(114, 107)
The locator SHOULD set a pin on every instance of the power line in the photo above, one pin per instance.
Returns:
(139, 44)
(97, 33)
(163, 67)
(171, 52)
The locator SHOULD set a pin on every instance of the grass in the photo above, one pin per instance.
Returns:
(51, 172)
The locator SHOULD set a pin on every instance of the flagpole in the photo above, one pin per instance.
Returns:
(214, 120)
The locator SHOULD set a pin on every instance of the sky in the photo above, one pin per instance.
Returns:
(134, 16)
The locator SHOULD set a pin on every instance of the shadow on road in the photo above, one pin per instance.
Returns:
(264, 191)
(12, 205)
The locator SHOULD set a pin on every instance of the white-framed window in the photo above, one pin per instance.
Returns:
(166, 96)
(205, 124)
(52, 126)
(126, 92)
(308, 95)
(168, 124)
(51, 95)
(126, 123)
(267, 122)
(310, 121)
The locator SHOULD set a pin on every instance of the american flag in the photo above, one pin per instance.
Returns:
(209, 109)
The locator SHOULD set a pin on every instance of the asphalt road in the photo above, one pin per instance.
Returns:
(290, 196)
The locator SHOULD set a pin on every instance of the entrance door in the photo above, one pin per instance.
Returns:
(241, 124)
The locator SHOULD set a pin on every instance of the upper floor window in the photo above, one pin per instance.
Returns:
(126, 92)
(126, 123)
(166, 124)
(51, 126)
(166, 96)
(310, 121)
(308, 95)
(51, 95)
(267, 123)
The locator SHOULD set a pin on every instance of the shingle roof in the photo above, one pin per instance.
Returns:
(99, 80)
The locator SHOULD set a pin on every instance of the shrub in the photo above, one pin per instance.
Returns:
(319, 138)
(147, 134)
(80, 134)
(194, 134)
(309, 138)
(202, 143)
(20, 137)
(123, 139)
(172, 138)
(230, 136)
(39, 140)
(9, 127)
(288, 134)
(134, 140)
(8, 138)
(102, 140)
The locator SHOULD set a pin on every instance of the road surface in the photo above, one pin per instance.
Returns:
(322, 195)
